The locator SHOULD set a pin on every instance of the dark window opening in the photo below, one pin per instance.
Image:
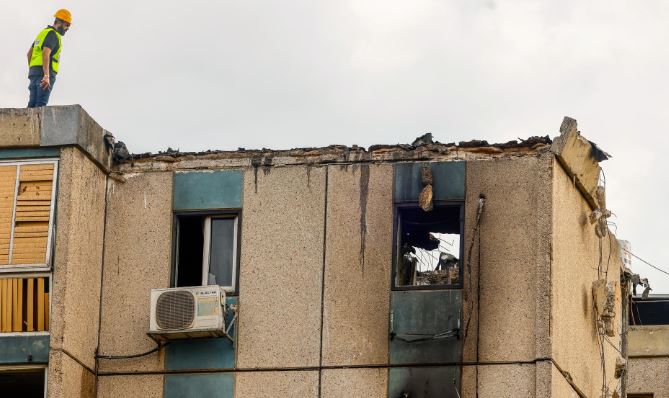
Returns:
(651, 311)
(429, 246)
(206, 250)
(25, 383)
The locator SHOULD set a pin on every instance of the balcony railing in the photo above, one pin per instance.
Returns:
(24, 304)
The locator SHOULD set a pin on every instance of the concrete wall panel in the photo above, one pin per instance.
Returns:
(648, 340)
(78, 259)
(560, 388)
(354, 383)
(649, 375)
(281, 268)
(67, 378)
(468, 382)
(576, 259)
(506, 381)
(19, 127)
(139, 386)
(277, 384)
(71, 125)
(355, 324)
(137, 259)
(514, 258)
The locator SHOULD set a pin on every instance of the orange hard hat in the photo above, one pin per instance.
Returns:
(64, 15)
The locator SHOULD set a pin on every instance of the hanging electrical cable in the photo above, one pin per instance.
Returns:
(468, 267)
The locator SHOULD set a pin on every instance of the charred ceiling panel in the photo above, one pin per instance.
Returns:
(424, 327)
(448, 181)
(424, 382)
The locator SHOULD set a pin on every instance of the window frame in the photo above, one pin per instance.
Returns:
(48, 260)
(396, 242)
(208, 215)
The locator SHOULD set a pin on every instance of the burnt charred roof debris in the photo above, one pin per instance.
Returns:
(121, 153)
(109, 140)
(638, 280)
(423, 140)
(598, 153)
(426, 148)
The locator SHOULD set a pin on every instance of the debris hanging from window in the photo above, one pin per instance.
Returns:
(429, 247)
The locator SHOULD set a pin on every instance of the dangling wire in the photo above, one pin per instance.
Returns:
(468, 267)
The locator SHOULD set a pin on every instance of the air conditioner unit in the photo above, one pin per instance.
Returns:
(187, 312)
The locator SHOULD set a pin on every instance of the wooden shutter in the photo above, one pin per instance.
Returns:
(7, 192)
(24, 305)
(33, 209)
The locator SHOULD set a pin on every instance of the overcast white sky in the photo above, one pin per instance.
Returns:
(204, 74)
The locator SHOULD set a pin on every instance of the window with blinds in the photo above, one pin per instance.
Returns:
(26, 212)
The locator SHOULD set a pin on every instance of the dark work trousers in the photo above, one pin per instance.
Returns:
(39, 96)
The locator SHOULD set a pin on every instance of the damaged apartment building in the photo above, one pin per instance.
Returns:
(423, 270)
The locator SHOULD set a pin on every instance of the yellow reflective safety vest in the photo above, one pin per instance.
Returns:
(36, 59)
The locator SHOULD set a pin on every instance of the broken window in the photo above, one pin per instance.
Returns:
(206, 250)
(428, 248)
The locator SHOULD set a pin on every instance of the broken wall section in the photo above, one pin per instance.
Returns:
(580, 258)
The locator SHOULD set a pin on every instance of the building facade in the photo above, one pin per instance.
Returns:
(433, 270)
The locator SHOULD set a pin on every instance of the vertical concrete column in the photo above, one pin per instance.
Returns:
(76, 276)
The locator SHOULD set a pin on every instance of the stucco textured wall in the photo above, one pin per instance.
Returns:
(560, 388)
(277, 384)
(354, 383)
(78, 259)
(507, 381)
(136, 386)
(137, 259)
(75, 296)
(281, 268)
(67, 378)
(649, 375)
(511, 260)
(356, 307)
(648, 340)
(577, 254)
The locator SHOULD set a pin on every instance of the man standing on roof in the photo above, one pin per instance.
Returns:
(43, 59)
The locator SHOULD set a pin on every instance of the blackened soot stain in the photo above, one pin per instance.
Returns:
(255, 162)
(266, 164)
(309, 175)
(364, 193)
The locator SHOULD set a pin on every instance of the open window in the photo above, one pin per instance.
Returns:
(206, 250)
(428, 247)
